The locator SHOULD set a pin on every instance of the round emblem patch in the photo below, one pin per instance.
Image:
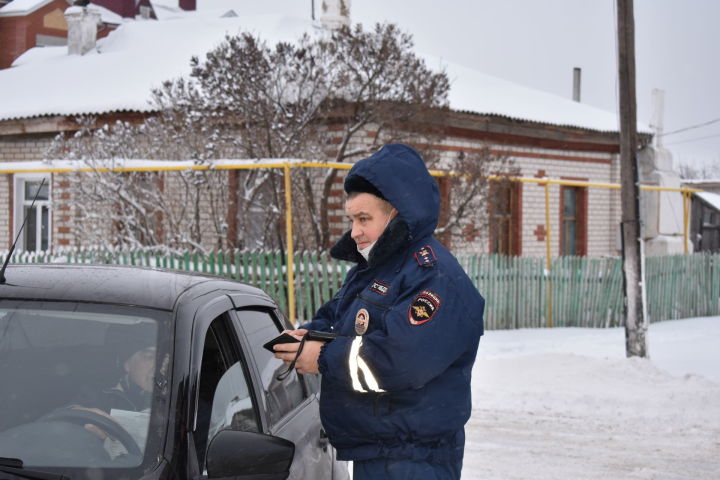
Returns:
(362, 320)
(423, 307)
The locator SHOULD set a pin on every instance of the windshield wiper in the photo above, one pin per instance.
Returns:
(14, 466)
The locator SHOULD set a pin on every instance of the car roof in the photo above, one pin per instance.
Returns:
(127, 285)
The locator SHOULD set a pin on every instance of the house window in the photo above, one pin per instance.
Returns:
(504, 226)
(36, 234)
(573, 221)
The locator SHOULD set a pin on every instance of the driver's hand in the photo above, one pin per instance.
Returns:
(94, 429)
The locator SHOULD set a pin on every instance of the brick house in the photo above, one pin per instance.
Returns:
(546, 136)
(705, 216)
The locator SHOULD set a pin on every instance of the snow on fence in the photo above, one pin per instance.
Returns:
(584, 292)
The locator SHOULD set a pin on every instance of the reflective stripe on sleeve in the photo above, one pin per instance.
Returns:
(356, 365)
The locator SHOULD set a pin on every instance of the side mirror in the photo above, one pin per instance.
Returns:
(234, 453)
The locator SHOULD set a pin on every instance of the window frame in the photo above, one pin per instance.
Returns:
(19, 204)
(308, 395)
(580, 220)
(514, 221)
(232, 351)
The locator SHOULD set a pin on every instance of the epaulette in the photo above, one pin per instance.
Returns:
(426, 257)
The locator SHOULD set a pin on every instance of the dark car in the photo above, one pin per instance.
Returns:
(114, 372)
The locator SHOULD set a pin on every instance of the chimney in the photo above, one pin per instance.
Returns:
(189, 5)
(335, 14)
(82, 29)
(657, 116)
(576, 83)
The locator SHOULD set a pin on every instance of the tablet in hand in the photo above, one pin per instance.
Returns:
(282, 338)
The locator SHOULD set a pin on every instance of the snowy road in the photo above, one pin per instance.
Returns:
(565, 404)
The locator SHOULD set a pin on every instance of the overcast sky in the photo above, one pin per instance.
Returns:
(538, 42)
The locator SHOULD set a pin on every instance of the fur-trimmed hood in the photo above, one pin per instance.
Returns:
(400, 174)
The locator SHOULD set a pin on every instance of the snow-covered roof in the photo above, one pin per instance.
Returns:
(121, 73)
(477, 92)
(712, 199)
(108, 16)
(140, 55)
(22, 7)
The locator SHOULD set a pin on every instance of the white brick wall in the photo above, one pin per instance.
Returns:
(603, 204)
(16, 148)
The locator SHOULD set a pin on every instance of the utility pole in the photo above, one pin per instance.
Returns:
(633, 275)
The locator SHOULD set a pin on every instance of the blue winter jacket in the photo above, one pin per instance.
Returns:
(400, 390)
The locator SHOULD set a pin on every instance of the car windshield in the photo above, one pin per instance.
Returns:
(83, 385)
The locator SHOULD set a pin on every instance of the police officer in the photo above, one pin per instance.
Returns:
(396, 381)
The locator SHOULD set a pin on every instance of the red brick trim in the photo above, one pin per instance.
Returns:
(514, 153)
(513, 139)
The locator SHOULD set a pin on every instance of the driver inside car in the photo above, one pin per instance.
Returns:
(135, 350)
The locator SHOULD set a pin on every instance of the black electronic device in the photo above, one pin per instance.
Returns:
(320, 336)
(282, 338)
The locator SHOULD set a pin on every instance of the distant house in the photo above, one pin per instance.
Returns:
(40, 23)
(546, 135)
(705, 215)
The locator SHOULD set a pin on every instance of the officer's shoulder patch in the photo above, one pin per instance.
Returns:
(426, 256)
(423, 307)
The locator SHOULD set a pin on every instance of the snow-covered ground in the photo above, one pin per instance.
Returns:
(566, 404)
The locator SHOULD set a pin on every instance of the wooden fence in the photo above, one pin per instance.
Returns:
(584, 292)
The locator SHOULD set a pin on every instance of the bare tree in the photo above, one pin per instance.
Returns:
(467, 190)
(698, 172)
(165, 210)
(385, 93)
(333, 96)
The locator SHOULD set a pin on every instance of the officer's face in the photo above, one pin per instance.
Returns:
(369, 216)
(141, 368)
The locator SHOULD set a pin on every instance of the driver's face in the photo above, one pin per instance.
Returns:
(141, 368)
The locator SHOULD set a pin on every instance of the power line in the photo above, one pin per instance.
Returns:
(693, 139)
(692, 127)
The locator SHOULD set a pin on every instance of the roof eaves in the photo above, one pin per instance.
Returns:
(76, 114)
(540, 122)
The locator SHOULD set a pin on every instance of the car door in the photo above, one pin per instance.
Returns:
(290, 406)
(224, 393)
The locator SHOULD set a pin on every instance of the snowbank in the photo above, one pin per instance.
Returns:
(566, 404)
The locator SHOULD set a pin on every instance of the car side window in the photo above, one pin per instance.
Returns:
(280, 397)
(224, 399)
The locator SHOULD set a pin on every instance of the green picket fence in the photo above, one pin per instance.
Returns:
(519, 291)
